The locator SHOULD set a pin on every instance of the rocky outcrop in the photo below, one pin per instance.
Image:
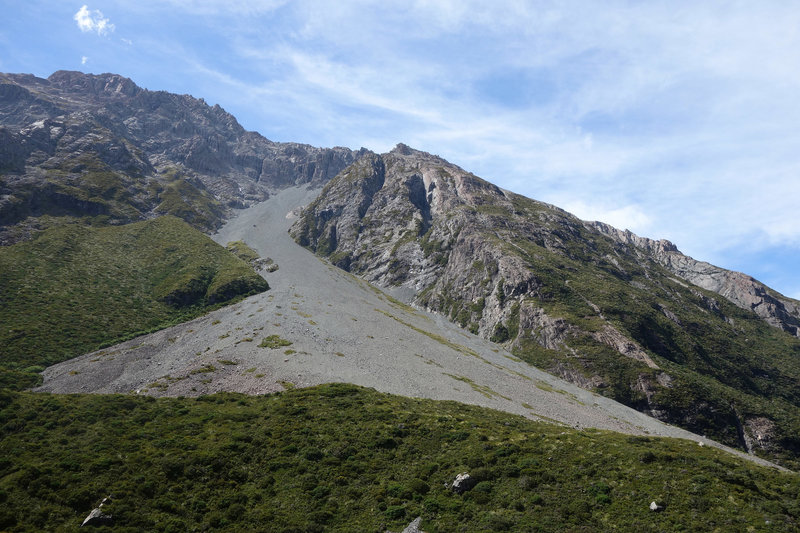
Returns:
(408, 219)
(742, 290)
(97, 517)
(415, 526)
(760, 431)
(463, 483)
(612, 337)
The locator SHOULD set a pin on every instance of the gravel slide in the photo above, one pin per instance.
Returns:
(318, 324)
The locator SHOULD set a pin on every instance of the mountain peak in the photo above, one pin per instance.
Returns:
(402, 149)
(97, 84)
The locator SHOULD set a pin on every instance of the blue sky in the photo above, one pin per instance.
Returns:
(676, 120)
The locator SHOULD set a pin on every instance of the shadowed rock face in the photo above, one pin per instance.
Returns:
(125, 147)
(601, 308)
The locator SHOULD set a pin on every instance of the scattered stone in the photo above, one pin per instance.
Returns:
(463, 483)
(700, 443)
(97, 517)
(265, 263)
(656, 508)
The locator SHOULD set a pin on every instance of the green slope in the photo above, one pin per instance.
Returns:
(75, 288)
(727, 366)
(728, 370)
(344, 458)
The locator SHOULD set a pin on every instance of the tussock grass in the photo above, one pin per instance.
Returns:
(241, 250)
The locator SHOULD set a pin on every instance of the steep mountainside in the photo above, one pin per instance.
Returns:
(88, 166)
(100, 148)
(319, 324)
(741, 289)
(562, 295)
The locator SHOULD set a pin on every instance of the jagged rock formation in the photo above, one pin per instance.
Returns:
(563, 294)
(741, 289)
(77, 145)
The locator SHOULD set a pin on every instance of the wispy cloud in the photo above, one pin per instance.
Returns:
(632, 217)
(84, 60)
(230, 7)
(93, 21)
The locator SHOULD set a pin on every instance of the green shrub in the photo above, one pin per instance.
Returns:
(395, 512)
(305, 459)
(418, 486)
(274, 341)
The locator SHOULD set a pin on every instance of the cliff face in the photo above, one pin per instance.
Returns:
(744, 291)
(572, 297)
(75, 144)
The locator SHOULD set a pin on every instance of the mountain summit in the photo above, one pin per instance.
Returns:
(77, 145)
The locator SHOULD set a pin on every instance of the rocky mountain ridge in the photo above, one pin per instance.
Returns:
(741, 289)
(559, 292)
(78, 144)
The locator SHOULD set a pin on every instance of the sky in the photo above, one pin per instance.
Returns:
(677, 119)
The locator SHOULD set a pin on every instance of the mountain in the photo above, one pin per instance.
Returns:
(578, 299)
(318, 324)
(80, 152)
(99, 147)
(166, 327)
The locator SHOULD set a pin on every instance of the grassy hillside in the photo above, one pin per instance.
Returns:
(75, 288)
(344, 458)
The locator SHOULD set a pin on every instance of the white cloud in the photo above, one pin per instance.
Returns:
(84, 59)
(93, 21)
(631, 217)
